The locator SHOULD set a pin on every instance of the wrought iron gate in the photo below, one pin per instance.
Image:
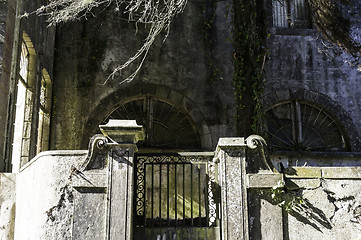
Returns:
(175, 192)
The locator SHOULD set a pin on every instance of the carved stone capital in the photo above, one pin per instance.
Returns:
(123, 131)
(119, 136)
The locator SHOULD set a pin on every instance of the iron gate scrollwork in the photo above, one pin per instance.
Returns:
(175, 190)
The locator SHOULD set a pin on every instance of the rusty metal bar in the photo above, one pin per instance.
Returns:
(192, 224)
(199, 196)
(168, 223)
(144, 195)
(184, 197)
(175, 194)
(160, 195)
(152, 198)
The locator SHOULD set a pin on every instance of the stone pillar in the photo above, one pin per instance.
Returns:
(125, 134)
(104, 205)
(232, 180)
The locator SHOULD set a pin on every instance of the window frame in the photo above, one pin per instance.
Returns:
(296, 114)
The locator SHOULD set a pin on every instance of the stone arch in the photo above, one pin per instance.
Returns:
(159, 92)
(31, 71)
(22, 137)
(309, 96)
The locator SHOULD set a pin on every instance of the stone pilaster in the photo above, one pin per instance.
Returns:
(112, 151)
(232, 180)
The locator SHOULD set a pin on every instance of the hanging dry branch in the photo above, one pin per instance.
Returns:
(157, 13)
(337, 20)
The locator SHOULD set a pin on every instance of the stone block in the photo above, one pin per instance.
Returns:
(175, 97)
(27, 129)
(7, 219)
(303, 172)
(89, 215)
(341, 172)
(206, 140)
(231, 142)
(264, 180)
(196, 116)
(162, 92)
(28, 111)
(294, 184)
(283, 95)
(270, 220)
(25, 146)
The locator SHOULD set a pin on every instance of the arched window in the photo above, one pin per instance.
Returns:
(24, 105)
(166, 125)
(303, 126)
(44, 112)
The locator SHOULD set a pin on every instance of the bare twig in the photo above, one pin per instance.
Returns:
(156, 13)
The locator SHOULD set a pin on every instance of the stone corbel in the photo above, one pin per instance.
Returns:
(255, 141)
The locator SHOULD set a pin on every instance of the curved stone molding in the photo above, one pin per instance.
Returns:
(98, 149)
(253, 141)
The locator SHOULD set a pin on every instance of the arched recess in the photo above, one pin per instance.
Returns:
(166, 126)
(24, 104)
(146, 98)
(307, 115)
(44, 111)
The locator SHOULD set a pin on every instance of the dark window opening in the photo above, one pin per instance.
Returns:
(300, 126)
(166, 126)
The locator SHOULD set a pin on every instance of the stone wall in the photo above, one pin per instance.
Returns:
(11, 34)
(302, 67)
(7, 205)
(176, 70)
(7, 28)
(88, 51)
(44, 201)
(316, 203)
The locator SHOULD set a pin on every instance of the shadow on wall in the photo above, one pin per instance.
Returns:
(290, 201)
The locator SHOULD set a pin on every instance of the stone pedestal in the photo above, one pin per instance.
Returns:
(232, 180)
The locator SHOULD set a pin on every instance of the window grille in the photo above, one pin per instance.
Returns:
(21, 132)
(24, 63)
(301, 126)
(291, 14)
(44, 113)
(166, 126)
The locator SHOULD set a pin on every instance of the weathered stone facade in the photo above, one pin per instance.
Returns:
(176, 71)
(298, 193)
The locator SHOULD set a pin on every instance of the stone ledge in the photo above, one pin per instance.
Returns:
(55, 153)
(231, 142)
(266, 180)
(293, 184)
(341, 172)
(303, 172)
(323, 172)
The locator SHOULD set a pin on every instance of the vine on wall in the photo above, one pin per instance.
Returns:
(210, 40)
(249, 36)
